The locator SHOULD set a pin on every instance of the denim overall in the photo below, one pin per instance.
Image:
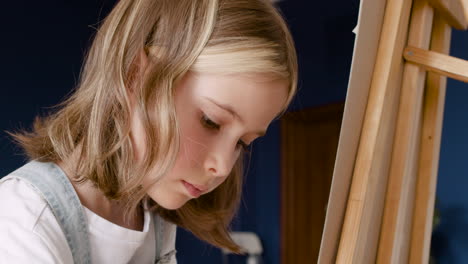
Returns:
(54, 186)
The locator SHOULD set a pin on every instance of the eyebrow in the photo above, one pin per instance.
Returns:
(231, 110)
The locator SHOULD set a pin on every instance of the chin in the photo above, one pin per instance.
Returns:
(171, 205)
(170, 202)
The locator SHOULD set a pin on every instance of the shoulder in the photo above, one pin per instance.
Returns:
(28, 229)
(19, 199)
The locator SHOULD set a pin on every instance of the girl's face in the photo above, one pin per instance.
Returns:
(218, 115)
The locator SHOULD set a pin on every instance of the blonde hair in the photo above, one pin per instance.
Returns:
(225, 36)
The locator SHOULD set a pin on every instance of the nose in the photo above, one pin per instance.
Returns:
(220, 160)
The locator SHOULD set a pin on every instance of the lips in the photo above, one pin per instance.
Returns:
(199, 187)
(194, 190)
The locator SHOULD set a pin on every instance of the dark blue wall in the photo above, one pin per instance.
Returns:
(42, 45)
(450, 239)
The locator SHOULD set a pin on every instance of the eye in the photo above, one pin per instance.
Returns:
(208, 123)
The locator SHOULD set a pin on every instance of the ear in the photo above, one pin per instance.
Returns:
(143, 59)
(136, 70)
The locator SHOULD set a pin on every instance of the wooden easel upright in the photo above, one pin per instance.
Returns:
(389, 209)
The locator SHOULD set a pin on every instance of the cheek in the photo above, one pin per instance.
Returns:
(193, 146)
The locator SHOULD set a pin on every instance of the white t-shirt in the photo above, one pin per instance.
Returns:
(30, 233)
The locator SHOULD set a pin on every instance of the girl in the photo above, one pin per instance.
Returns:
(170, 96)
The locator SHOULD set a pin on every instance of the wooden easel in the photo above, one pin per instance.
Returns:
(389, 209)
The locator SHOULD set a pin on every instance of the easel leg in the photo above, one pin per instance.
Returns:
(395, 234)
(433, 108)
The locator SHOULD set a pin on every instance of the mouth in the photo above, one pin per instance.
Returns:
(193, 190)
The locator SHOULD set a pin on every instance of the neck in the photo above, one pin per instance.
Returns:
(95, 200)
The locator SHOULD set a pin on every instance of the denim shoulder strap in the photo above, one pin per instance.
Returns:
(159, 228)
(54, 186)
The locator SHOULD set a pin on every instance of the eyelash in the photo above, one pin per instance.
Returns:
(210, 124)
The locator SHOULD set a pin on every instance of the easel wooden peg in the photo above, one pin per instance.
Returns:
(439, 63)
